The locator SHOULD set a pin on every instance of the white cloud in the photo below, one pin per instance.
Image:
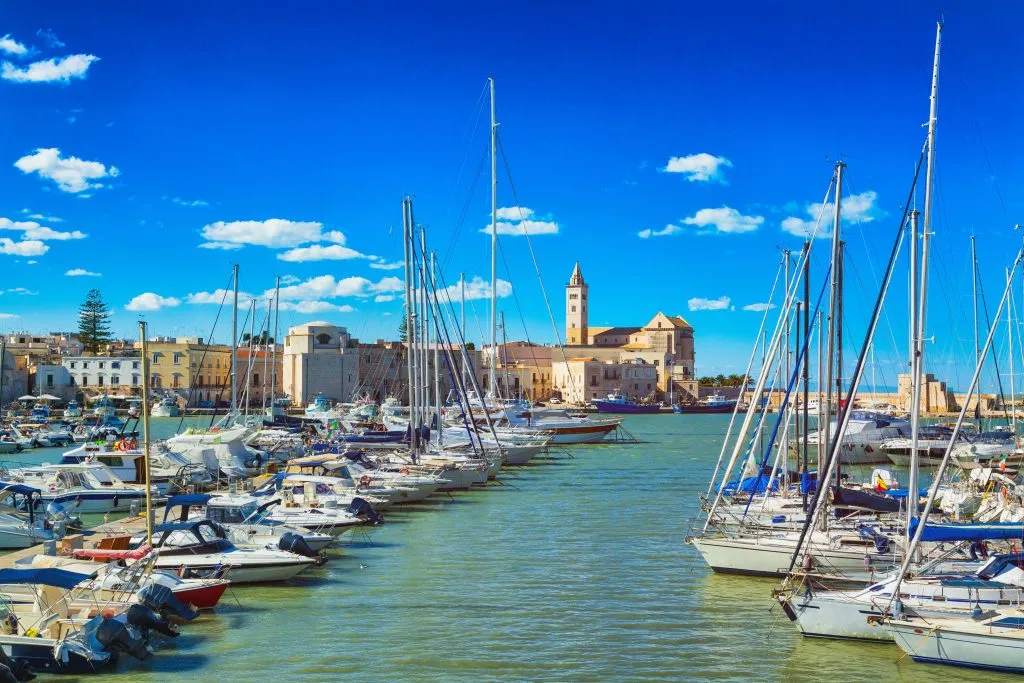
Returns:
(316, 252)
(217, 296)
(289, 279)
(326, 287)
(49, 37)
(514, 213)
(476, 288)
(227, 246)
(315, 307)
(8, 316)
(81, 272)
(670, 229)
(42, 217)
(701, 167)
(33, 231)
(10, 46)
(54, 70)
(190, 202)
(725, 220)
(20, 290)
(384, 265)
(71, 174)
(520, 228)
(720, 304)
(276, 233)
(758, 308)
(856, 208)
(148, 301)
(382, 298)
(23, 248)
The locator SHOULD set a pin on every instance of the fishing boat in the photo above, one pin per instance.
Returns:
(716, 403)
(166, 407)
(617, 403)
(73, 410)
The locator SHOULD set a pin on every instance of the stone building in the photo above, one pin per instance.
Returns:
(320, 358)
(584, 378)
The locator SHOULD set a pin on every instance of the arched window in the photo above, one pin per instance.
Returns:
(323, 338)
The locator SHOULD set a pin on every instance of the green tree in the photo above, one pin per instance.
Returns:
(94, 322)
(719, 380)
(403, 326)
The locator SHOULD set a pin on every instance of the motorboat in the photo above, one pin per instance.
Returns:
(320, 406)
(365, 475)
(103, 408)
(166, 407)
(244, 517)
(72, 410)
(715, 403)
(85, 487)
(197, 548)
(23, 523)
(866, 434)
(932, 443)
(220, 449)
(617, 403)
(563, 427)
(125, 458)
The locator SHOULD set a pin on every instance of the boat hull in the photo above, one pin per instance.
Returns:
(581, 434)
(704, 410)
(625, 408)
(953, 647)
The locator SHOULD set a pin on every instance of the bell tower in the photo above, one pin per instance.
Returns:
(576, 309)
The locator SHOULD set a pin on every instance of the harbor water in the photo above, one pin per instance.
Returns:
(572, 569)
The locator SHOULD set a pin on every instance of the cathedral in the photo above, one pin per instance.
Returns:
(654, 360)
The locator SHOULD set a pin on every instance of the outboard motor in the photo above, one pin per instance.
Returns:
(146, 619)
(162, 600)
(293, 543)
(364, 511)
(116, 637)
(12, 671)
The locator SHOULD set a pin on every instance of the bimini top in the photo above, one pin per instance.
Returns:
(61, 578)
(19, 488)
(185, 501)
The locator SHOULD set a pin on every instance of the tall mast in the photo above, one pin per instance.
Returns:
(234, 344)
(266, 358)
(494, 236)
(410, 323)
(249, 363)
(273, 365)
(915, 366)
(145, 429)
(833, 311)
(786, 357)
(1009, 339)
(974, 298)
(437, 344)
(807, 362)
(425, 334)
(462, 286)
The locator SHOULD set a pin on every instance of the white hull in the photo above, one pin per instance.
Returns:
(936, 644)
(238, 573)
(833, 617)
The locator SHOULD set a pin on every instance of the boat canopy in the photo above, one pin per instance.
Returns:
(185, 501)
(61, 578)
(970, 532)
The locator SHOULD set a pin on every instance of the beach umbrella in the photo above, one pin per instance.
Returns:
(27, 397)
(49, 397)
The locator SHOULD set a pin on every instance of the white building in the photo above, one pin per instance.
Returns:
(320, 358)
(102, 373)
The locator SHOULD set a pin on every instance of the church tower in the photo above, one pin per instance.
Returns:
(576, 309)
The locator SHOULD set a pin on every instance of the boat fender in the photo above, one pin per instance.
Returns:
(115, 501)
(293, 543)
(116, 637)
(146, 619)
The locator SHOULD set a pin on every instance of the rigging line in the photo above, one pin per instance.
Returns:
(846, 323)
(536, 265)
(984, 149)
(946, 281)
(471, 127)
(231, 367)
(209, 342)
(522, 318)
(871, 263)
(995, 360)
(465, 209)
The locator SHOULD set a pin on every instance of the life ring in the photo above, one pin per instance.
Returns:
(132, 444)
(404, 470)
(122, 446)
(365, 480)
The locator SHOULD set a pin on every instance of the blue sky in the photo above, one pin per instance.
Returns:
(291, 134)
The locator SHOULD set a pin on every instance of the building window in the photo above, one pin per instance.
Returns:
(255, 379)
(156, 358)
(174, 381)
(593, 380)
(49, 380)
(135, 380)
(102, 364)
(115, 380)
(135, 365)
(177, 358)
(85, 365)
(199, 381)
(573, 309)
(648, 386)
(323, 339)
(115, 365)
(72, 365)
(99, 381)
(656, 363)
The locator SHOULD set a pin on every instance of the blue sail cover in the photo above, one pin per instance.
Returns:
(749, 484)
(970, 532)
(61, 578)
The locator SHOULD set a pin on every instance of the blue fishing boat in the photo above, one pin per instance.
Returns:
(617, 403)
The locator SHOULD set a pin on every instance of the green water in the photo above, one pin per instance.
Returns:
(575, 570)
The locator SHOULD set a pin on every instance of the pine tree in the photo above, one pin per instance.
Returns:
(94, 322)
(403, 326)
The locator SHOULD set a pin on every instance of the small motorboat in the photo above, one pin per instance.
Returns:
(86, 487)
(166, 407)
(73, 410)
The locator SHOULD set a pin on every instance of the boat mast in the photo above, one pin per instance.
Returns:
(410, 323)
(494, 238)
(833, 312)
(249, 363)
(273, 365)
(266, 358)
(786, 358)
(915, 384)
(437, 344)
(807, 362)
(1009, 340)
(425, 337)
(234, 344)
(974, 298)
(145, 429)
(462, 310)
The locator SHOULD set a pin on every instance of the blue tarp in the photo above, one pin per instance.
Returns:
(970, 532)
(747, 485)
(60, 578)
